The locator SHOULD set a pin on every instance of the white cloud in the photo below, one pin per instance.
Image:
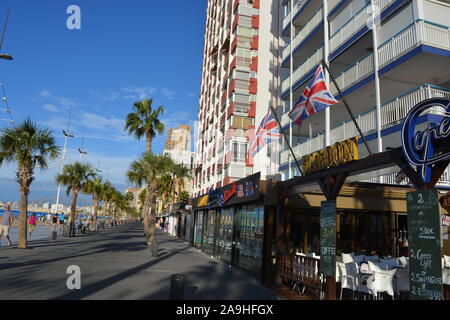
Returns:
(45, 94)
(168, 93)
(50, 107)
(134, 92)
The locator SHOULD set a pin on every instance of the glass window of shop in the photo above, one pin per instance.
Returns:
(224, 242)
(303, 231)
(364, 233)
(209, 232)
(198, 230)
(249, 237)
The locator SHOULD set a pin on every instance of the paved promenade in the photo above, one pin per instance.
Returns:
(116, 264)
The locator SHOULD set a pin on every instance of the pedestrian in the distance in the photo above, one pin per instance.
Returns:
(54, 221)
(5, 224)
(32, 223)
(61, 222)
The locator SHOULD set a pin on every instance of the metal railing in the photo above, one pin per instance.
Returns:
(312, 23)
(299, 4)
(415, 34)
(301, 271)
(444, 180)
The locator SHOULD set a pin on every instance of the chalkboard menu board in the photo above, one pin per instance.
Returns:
(424, 237)
(328, 239)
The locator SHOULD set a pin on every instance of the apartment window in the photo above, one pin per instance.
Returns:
(239, 151)
(241, 98)
(245, 32)
(241, 122)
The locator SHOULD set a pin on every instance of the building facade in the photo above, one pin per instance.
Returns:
(239, 83)
(413, 49)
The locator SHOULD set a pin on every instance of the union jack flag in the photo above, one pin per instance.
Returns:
(314, 98)
(268, 131)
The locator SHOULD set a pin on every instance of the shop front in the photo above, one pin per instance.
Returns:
(229, 223)
(329, 225)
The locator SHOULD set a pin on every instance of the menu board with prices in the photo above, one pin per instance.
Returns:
(424, 236)
(328, 239)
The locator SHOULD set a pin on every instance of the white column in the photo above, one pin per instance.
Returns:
(377, 80)
(326, 51)
(291, 58)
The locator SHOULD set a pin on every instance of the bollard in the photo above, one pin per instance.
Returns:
(176, 287)
(54, 233)
(155, 249)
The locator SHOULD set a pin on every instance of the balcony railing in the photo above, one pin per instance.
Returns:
(310, 63)
(419, 32)
(303, 33)
(390, 179)
(299, 4)
(350, 28)
(392, 112)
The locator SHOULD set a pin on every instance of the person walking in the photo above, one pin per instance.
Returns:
(54, 221)
(5, 224)
(61, 222)
(32, 223)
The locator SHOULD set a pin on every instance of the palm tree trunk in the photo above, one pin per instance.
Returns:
(95, 213)
(148, 140)
(152, 213)
(145, 213)
(22, 244)
(73, 210)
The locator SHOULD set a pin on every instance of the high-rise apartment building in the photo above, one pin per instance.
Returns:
(239, 83)
(178, 147)
(179, 139)
(412, 49)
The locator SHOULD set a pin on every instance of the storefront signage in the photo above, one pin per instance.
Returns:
(240, 191)
(424, 237)
(337, 154)
(202, 201)
(215, 196)
(420, 148)
(328, 239)
(227, 194)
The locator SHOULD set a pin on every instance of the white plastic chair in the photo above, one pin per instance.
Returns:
(402, 261)
(348, 257)
(381, 281)
(349, 277)
(446, 261)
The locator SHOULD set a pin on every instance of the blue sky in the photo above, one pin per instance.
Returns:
(125, 51)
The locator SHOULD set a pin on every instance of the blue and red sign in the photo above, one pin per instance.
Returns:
(426, 147)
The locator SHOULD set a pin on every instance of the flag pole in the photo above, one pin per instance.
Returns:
(286, 139)
(346, 106)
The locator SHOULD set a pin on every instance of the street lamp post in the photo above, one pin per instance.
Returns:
(66, 135)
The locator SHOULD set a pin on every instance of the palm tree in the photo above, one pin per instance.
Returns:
(31, 147)
(145, 121)
(94, 187)
(147, 171)
(106, 196)
(181, 172)
(75, 177)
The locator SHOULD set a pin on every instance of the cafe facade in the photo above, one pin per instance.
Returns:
(366, 219)
(229, 223)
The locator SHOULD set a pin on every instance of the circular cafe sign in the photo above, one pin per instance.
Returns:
(426, 135)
